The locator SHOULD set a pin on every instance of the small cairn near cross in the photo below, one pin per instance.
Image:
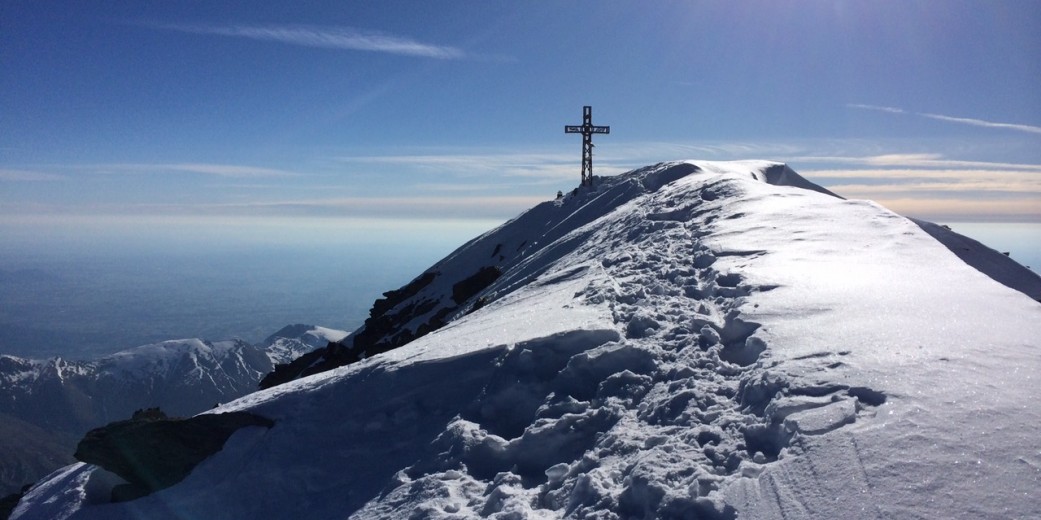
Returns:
(587, 130)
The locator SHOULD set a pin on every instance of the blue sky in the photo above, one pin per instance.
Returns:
(159, 115)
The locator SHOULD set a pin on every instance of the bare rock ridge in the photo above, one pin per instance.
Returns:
(152, 451)
(391, 323)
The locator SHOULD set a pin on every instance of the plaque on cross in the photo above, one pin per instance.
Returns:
(587, 130)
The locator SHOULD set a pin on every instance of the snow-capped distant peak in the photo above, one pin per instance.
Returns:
(311, 334)
(293, 341)
(157, 358)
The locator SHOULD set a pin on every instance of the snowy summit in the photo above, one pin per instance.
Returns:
(687, 340)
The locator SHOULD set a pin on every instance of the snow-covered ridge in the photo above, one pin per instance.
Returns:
(684, 341)
(510, 256)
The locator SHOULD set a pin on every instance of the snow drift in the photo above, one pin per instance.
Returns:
(688, 340)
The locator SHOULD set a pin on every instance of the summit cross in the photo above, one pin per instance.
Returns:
(587, 130)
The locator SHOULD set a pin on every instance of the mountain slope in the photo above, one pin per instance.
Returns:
(65, 398)
(496, 263)
(685, 341)
(293, 341)
(181, 374)
(1000, 267)
(29, 452)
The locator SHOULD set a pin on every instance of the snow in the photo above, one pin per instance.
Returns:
(157, 358)
(292, 341)
(999, 267)
(690, 340)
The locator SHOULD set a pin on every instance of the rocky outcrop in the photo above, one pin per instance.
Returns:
(9, 502)
(384, 329)
(152, 451)
(333, 355)
(474, 284)
(399, 317)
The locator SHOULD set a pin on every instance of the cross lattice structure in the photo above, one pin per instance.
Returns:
(587, 130)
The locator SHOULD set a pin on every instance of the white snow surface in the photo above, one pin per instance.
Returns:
(292, 341)
(726, 340)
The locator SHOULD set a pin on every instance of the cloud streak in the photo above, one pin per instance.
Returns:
(548, 167)
(27, 176)
(415, 206)
(216, 170)
(984, 124)
(950, 119)
(340, 38)
(489, 183)
(964, 208)
(488, 207)
(891, 110)
(933, 187)
(915, 160)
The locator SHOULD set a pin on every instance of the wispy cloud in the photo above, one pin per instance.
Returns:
(891, 110)
(27, 176)
(452, 187)
(416, 206)
(491, 165)
(217, 170)
(977, 186)
(481, 207)
(963, 208)
(914, 160)
(342, 38)
(906, 178)
(931, 186)
(228, 170)
(490, 183)
(951, 119)
(985, 124)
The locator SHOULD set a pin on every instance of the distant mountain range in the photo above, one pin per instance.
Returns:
(47, 405)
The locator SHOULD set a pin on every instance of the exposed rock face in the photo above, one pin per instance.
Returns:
(29, 452)
(385, 327)
(152, 452)
(469, 287)
(9, 502)
(399, 317)
(333, 355)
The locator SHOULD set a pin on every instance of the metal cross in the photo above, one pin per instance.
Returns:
(587, 130)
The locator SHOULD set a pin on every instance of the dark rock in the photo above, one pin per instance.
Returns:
(153, 453)
(148, 414)
(469, 287)
(394, 320)
(334, 354)
(391, 299)
(9, 502)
